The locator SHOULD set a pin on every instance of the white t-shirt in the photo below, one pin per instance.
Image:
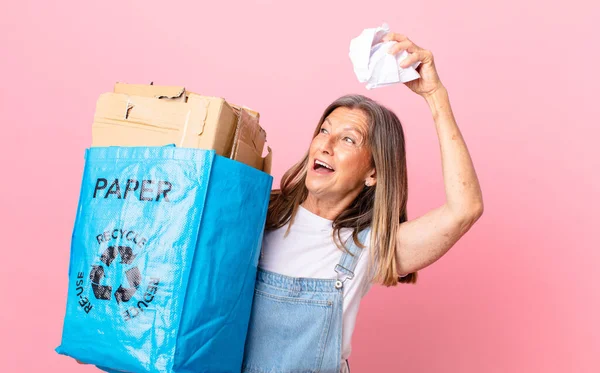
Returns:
(310, 252)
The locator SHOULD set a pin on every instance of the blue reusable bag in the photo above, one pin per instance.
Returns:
(163, 260)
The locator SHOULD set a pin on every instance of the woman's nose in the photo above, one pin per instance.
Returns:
(327, 145)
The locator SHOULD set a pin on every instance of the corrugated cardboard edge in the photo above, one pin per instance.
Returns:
(242, 144)
(172, 93)
(248, 131)
(239, 108)
(267, 161)
(218, 108)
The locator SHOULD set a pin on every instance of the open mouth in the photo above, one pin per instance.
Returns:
(322, 167)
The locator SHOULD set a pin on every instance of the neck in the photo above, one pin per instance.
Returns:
(327, 208)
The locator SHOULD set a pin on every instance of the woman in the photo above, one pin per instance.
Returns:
(339, 223)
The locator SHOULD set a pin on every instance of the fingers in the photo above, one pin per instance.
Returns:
(422, 55)
(392, 36)
(416, 53)
(405, 45)
(411, 59)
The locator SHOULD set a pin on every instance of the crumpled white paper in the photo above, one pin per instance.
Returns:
(372, 62)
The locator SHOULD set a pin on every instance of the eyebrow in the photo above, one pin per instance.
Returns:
(347, 128)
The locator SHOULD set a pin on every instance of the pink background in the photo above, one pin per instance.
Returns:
(518, 293)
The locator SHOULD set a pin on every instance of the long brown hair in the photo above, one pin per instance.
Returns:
(381, 207)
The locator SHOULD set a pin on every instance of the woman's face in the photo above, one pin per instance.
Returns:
(339, 158)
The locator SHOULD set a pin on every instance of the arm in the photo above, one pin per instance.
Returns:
(424, 240)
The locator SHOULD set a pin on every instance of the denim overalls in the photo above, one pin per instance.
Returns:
(296, 323)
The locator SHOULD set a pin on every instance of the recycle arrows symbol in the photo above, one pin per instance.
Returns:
(134, 277)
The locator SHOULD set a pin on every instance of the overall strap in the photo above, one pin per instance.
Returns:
(347, 264)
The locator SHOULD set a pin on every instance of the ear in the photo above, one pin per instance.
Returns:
(371, 179)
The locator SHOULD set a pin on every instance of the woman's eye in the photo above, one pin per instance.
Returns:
(349, 140)
(323, 130)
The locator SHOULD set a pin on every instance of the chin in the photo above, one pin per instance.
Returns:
(322, 193)
(314, 187)
(309, 184)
